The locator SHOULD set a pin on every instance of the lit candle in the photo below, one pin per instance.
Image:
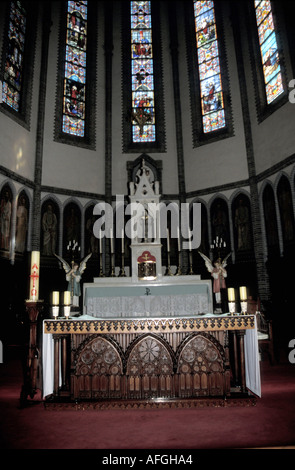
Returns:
(231, 294)
(55, 298)
(168, 241)
(34, 276)
(243, 293)
(67, 298)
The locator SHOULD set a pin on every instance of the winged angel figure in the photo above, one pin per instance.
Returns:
(73, 276)
(218, 272)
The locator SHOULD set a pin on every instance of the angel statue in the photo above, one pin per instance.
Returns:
(73, 276)
(218, 272)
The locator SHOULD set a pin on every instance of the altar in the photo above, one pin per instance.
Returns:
(172, 296)
(134, 359)
(150, 336)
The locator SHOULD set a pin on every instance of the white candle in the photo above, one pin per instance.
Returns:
(243, 293)
(55, 298)
(100, 241)
(67, 298)
(168, 241)
(122, 241)
(34, 276)
(178, 239)
(231, 294)
(112, 241)
(190, 241)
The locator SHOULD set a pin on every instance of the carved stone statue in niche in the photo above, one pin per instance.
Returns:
(6, 206)
(21, 224)
(242, 225)
(219, 222)
(49, 227)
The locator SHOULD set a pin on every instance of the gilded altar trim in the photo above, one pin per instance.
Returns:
(149, 325)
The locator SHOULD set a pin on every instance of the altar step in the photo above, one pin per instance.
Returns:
(239, 400)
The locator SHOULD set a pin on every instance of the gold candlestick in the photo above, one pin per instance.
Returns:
(191, 272)
(122, 272)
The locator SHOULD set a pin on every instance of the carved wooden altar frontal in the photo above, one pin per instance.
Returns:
(146, 359)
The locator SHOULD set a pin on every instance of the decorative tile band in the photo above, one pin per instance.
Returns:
(149, 325)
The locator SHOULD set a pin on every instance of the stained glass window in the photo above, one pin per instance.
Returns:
(269, 50)
(143, 106)
(75, 69)
(14, 58)
(212, 102)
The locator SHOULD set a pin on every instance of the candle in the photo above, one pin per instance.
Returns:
(67, 298)
(122, 241)
(178, 238)
(231, 294)
(168, 241)
(112, 241)
(190, 241)
(55, 298)
(243, 293)
(34, 275)
(100, 241)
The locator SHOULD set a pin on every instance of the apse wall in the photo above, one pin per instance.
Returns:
(77, 169)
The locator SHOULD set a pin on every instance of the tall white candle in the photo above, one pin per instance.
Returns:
(112, 241)
(34, 275)
(168, 241)
(55, 298)
(100, 241)
(243, 293)
(67, 298)
(190, 241)
(122, 241)
(231, 294)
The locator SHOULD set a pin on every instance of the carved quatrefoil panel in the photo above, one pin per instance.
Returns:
(200, 355)
(99, 356)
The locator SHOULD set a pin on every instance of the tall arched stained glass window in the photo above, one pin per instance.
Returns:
(14, 58)
(143, 106)
(75, 69)
(269, 50)
(212, 101)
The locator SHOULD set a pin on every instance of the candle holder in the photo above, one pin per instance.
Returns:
(244, 305)
(168, 271)
(67, 311)
(72, 248)
(179, 270)
(112, 273)
(55, 311)
(232, 308)
(218, 246)
(101, 274)
(191, 272)
(122, 272)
